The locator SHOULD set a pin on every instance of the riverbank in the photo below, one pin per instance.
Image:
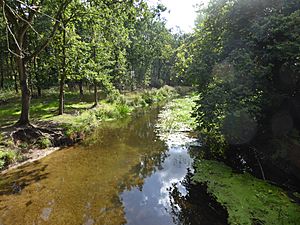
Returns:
(245, 198)
(50, 132)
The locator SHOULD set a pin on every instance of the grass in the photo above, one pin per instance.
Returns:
(247, 199)
(46, 107)
(42, 108)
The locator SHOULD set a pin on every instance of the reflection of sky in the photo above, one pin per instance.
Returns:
(150, 206)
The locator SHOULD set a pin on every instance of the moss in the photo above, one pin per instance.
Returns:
(247, 199)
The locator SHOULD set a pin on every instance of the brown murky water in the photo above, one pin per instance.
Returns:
(126, 175)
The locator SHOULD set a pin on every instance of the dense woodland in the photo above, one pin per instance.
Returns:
(243, 57)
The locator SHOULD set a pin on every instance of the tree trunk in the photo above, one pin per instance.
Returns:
(25, 92)
(2, 74)
(30, 79)
(61, 94)
(95, 93)
(37, 77)
(80, 84)
(62, 77)
(14, 74)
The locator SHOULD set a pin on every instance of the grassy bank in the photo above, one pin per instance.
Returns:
(107, 110)
(79, 119)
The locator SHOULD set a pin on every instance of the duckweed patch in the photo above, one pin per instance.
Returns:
(247, 199)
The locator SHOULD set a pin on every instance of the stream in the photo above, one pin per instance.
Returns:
(125, 175)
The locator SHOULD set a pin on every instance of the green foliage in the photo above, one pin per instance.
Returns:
(7, 95)
(155, 95)
(152, 49)
(123, 110)
(23, 145)
(248, 200)
(243, 61)
(138, 101)
(44, 142)
(7, 157)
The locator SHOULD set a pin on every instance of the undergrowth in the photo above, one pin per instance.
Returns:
(7, 157)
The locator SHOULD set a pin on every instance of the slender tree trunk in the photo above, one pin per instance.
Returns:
(30, 80)
(15, 76)
(80, 84)
(61, 94)
(2, 73)
(25, 92)
(95, 93)
(62, 77)
(37, 77)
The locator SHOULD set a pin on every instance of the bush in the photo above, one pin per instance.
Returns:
(44, 142)
(123, 110)
(148, 96)
(113, 96)
(138, 101)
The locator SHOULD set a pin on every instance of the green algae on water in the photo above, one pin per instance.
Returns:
(176, 116)
(247, 199)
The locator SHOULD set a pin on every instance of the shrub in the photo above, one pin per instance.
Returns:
(138, 101)
(44, 142)
(113, 96)
(123, 110)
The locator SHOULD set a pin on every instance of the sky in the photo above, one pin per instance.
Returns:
(182, 13)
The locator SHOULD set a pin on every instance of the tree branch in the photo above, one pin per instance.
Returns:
(45, 43)
(9, 14)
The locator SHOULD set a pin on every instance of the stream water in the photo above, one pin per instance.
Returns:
(124, 175)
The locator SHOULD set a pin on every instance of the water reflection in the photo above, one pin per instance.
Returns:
(195, 206)
(124, 174)
(151, 202)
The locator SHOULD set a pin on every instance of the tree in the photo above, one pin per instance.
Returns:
(19, 18)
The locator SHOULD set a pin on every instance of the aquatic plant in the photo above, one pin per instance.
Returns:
(247, 199)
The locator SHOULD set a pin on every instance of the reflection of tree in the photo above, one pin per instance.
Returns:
(138, 132)
(15, 180)
(149, 163)
(196, 207)
(135, 131)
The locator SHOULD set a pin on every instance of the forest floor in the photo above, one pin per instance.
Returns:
(51, 131)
